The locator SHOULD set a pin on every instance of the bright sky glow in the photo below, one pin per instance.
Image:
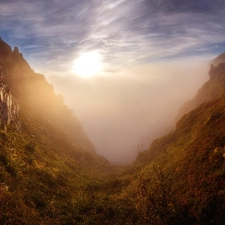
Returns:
(88, 64)
(128, 43)
(50, 33)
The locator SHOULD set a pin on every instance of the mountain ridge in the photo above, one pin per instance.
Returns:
(211, 89)
(219, 59)
(34, 92)
(189, 162)
(44, 153)
(48, 176)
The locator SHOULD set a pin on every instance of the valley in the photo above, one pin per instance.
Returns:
(50, 172)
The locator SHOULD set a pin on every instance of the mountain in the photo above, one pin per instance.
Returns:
(219, 59)
(36, 96)
(183, 171)
(46, 159)
(50, 173)
(212, 89)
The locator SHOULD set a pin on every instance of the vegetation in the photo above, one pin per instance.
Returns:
(180, 183)
(50, 174)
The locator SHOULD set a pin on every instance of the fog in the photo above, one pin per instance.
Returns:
(123, 111)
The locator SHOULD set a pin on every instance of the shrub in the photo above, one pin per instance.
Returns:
(30, 147)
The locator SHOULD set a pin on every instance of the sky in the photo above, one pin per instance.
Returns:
(153, 56)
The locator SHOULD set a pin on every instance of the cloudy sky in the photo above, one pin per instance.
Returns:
(151, 52)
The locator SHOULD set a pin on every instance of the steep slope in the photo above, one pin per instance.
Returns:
(50, 174)
(9, 108)
(46, 160)
(36, 96)
(180, 179)
(190, 163)
(212, 89)
(182, 173)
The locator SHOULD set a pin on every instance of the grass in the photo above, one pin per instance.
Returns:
(50, 174)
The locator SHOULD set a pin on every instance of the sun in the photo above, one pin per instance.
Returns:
(88, 64)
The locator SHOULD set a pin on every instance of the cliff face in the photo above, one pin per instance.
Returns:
(9, 108)
(35, 96)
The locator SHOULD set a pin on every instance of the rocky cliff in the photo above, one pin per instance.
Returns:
(49, 163)
(35, 96)
(46, 177)
(9, 108)
(219, 59)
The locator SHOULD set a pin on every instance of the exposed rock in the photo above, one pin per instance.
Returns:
(16, 51)
(212, 89)
(217, 71)
(9, 108)
(36, 98)
(5, 48)
(219, 59)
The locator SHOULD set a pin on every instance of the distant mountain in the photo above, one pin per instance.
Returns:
(212, 89)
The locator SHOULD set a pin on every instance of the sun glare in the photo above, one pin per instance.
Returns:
(88, 64)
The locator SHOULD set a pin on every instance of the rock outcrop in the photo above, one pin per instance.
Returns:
(219, 59)
(211, 90)
(9, 108)
(36, 98)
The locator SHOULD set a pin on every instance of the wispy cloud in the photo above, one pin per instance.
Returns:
(136, 39)
(123, 31)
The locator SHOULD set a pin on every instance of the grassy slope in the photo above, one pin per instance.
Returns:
(192, 160)
(47, 177)
(48, 168)
(43, 175)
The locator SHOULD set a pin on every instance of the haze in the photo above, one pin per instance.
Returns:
(154, 57)
(130, 108)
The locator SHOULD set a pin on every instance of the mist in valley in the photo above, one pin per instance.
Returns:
(140, 89)
(123, 111)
